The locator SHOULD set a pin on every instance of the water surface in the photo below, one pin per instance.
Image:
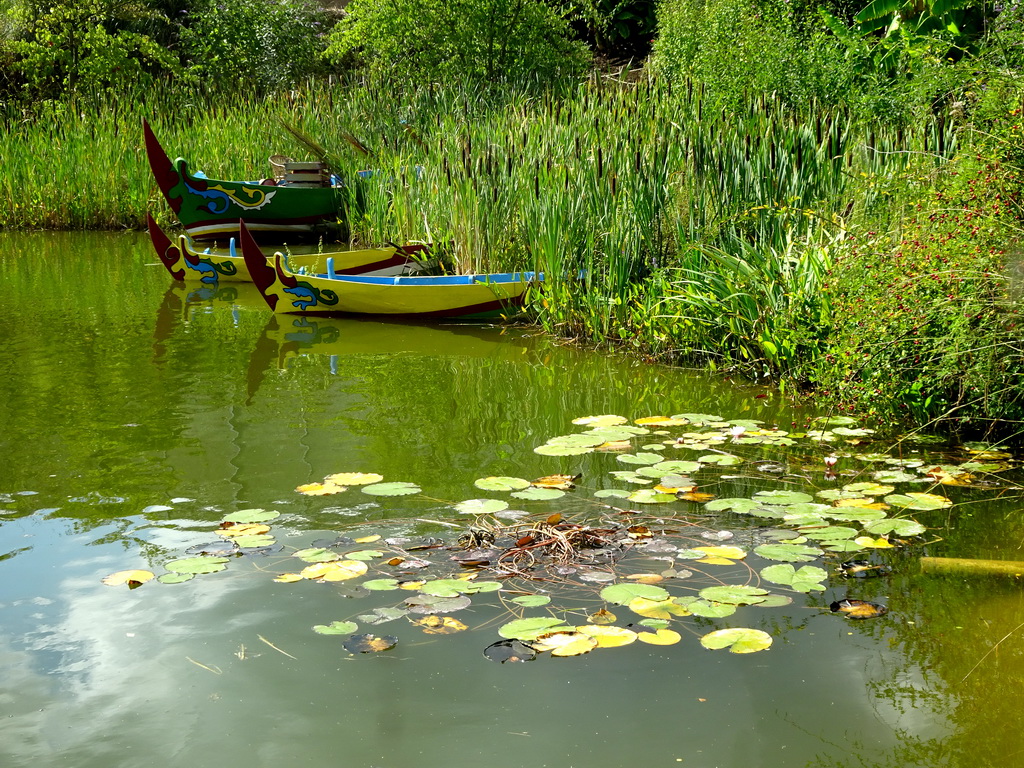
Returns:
(135, 414)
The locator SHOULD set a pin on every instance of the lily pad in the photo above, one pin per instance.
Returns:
(391, 489)
(133, 578)
(829, 533)
(901, 526)
(658, 609)
(549, 449)
(364, 554)
(531, 601)
(337, 570)
(578, 440)
(336, 628)
(440, 625)
(608, 420)
(858, 609)
(721, 555)
(659, 637)
(650, 496)
(481, 506)
(844, 545)
(623, 594)
(425, 604)
(721, 459)
(630, 476)
(539, 494)
(788, 553)
(251, 516)
(354, 478)
(176, 578)
(608, 636)
(453, 587)
(869, 489)
(501, 483)
(640, 458)
(737, 640)
(734, 594)
(855, 514)
(919, 501)
(893, 476)
(739, 506)
(509, 650)
(706, 608)
(370, 643)
(780, 497)
(568, 643)
(531, 628)
(660, 421)
(196, 565)
(805, 579)
(380, 585)
(254, 542)
(611, 493)
(677, 467)
(382, 615)
(317, 555)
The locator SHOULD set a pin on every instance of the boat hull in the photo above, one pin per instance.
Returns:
(186, 263)
(209, 209)
(464, 297)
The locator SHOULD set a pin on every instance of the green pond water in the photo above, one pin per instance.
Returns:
(136, 414)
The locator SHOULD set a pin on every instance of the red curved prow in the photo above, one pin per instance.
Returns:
(166, 251)
(161, 166)
(262, 274)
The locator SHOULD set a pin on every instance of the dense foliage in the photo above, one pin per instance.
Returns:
(423, 40)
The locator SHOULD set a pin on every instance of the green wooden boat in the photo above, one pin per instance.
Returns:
(210, 209)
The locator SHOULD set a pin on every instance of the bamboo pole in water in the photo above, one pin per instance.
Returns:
(972, 567)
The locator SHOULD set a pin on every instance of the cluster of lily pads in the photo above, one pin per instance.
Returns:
(651, 549)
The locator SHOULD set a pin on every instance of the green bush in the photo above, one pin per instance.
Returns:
(512, 41)
(926, 314)
(253, 44)
(68, 48)
(738, 47)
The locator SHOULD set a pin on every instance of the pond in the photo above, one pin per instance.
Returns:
(140, 418)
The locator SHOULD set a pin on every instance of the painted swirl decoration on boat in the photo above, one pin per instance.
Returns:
(219, 198)
(307, 296)
(226, 268)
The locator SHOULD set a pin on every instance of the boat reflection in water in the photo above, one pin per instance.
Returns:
(286, 337)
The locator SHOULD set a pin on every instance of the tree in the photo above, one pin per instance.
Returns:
(493, 40)
(66, 47)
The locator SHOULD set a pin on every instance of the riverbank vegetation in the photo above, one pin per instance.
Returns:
(827, 197)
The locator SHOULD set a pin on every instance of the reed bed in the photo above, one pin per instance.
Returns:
(658, 219)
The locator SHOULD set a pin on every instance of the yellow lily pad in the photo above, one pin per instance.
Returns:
(320, 489)
(566, 643)
(608, 637)
(133, 578)
(657, 609)
(353, 478)
(440, 625)
(600, 421)
(337, 570)
(873, 543)
(719, 554)
(659, 637)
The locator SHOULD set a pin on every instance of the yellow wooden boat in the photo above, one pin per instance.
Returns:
(186, 262)
(466, 297)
